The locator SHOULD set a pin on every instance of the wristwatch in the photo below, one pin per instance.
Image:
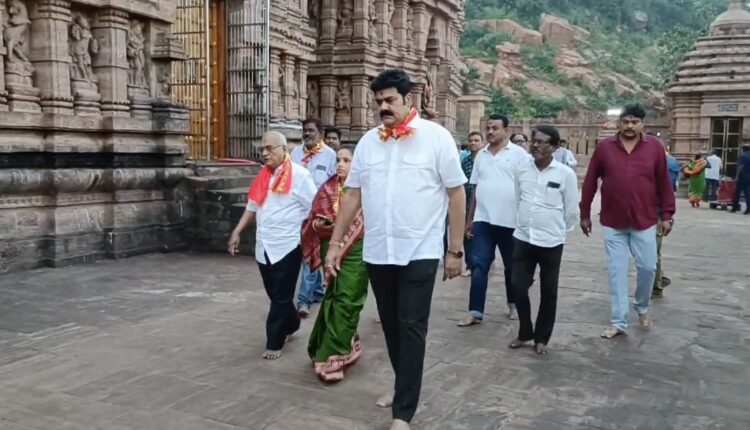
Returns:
(457, 254)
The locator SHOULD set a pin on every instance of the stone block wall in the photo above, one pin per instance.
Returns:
(91, 146)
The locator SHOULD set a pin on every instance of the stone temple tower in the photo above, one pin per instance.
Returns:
(711, 91)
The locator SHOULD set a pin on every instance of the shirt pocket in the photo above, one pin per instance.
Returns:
(416, 160)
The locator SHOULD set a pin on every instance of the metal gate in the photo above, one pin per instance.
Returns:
(228, 96)
(248, 101)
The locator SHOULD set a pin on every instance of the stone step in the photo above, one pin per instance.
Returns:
(203, 183)
(228, 195)
(226, 169)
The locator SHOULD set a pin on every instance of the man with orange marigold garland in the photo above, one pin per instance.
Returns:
(405, 176)
(279, 199)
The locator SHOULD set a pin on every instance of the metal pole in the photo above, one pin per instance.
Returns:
(207, 63)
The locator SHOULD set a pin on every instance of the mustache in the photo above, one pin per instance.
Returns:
(385, 112)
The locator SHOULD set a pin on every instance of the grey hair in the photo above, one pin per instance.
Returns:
(280, 138)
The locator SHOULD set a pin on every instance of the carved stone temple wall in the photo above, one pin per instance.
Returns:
(325, 53)
(91, 147)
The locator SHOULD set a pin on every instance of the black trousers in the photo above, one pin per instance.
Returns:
(525, 259)
(280, 280)
(404, 295)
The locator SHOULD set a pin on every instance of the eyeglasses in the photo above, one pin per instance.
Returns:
(269, 148)
(518, 141)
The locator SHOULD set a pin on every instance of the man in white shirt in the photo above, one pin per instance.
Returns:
(492, 217)
(547, 209)
(279, 200)
(405, 176)
(320, 161)
(713, 176)
(564, 155)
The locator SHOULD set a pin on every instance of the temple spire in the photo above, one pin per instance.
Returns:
(735, 4)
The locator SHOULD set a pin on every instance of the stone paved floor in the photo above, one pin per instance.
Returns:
(173, 342)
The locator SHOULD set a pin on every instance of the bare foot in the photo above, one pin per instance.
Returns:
(271, 355)
(517, 343)
(400, 425)
(385, 401)
(512, 314)
(469, 321)
(612, 332)
(645, 321)
(289, 338)
(303, 311)
(541, 349)
(466, 273)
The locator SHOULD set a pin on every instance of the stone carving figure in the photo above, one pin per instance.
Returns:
(313, 12)
(428, 99)
(345, 28)
(294, 108)
(389, 20)
(16, 26)
(372, 22)
(81, 45)
(280, 106)
(136, 56)
(343, 98)
(312, 99)
(165, 86)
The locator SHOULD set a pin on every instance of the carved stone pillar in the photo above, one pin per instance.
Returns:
(328, 100)
(421, 26)
(343, 103)
(3, 52)
(275, 68)
(417, 90)
(383, 22)
(401, 17)
(328, 23)
(360, 98)
(302, 83)
(361, 22)
(49, 54)
(110, 65)
(291, 93)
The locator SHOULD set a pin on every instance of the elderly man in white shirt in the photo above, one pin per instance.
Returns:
(547, 196)
(320, 160)
(492, 216)
(279, 199)
(405, 176)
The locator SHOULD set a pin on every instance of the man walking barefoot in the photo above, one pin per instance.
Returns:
(405, 176)
(635, 188)
(279, 200)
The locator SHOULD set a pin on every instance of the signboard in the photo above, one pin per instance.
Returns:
(728, 107)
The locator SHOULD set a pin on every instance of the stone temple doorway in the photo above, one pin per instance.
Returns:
(224, 79)
(725, 139)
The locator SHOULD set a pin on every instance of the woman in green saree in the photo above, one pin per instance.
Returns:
(695, 171)
(334, 344)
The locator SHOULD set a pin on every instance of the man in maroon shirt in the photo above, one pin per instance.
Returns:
(636, 194)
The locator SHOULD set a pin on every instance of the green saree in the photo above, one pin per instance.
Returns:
(334, 332)
(696, 173)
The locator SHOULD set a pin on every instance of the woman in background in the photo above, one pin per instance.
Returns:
(695, 171)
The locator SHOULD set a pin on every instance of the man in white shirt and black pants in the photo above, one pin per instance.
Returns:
(713, 176)
(279, 200)
(547, 195)
(405, 176)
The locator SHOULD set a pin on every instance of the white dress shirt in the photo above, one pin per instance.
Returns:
(403, 185)
(495, 180)
(565, 156)
(278, 222)
(547, 203)
(714, 172)
(321, 166)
